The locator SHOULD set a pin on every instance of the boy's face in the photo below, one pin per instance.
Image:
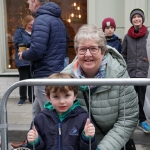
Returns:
(109, 31)
(62, 101)
(137, 20)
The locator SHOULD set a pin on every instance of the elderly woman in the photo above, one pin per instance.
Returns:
(96, 60)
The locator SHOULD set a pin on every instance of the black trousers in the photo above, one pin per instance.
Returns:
(24, 73)
(141, 90)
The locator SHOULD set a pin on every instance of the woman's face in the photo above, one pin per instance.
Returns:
(29, 26)
(137, 20)
(90, 63)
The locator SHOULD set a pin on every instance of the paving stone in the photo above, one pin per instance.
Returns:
(20, 117)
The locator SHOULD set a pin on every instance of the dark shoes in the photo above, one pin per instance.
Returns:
(30, 100)
(21, 102)
(18, 144)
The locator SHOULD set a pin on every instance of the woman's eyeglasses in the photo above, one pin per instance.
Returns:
(93, 49)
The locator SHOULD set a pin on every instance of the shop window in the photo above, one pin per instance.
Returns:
(16, 11)
(74, 14)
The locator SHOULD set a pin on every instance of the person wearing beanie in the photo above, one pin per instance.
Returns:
(109, 27)
(135, 55)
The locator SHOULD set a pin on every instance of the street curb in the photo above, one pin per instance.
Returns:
(19, 132)
(141, 138)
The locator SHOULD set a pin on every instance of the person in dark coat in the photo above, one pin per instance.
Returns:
(109, 27)
(135, 54)
(66, 61)
(63, 124)
(48, 46)
(22, 36)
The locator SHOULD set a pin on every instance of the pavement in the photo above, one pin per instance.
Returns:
(20, 118)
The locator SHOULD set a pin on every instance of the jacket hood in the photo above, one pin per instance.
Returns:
(113, 37)
(75, 111)
(116, 65)
(49, 106)
(23, 30)
(49, 8)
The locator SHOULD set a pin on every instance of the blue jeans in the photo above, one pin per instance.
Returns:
(66, 61)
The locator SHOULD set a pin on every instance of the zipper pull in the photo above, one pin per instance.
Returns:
(59, 129)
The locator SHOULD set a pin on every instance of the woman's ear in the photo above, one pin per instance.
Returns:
(76, 52)
(37, 3)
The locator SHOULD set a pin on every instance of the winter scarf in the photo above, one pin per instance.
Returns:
(136, 35)
(80, 74)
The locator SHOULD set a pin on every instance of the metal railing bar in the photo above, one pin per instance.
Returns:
(43, 82)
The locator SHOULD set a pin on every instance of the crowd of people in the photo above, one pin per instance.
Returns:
(61, 112)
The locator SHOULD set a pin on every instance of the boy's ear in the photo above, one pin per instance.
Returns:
(75, 97)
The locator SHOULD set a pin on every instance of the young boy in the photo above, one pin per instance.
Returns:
(109, 27)
(135, 54)
(63, 124)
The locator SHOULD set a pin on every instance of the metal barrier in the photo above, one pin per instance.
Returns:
(44, 82)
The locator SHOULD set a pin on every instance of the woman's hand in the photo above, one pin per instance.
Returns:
(20, 55)
(89, 128)
(32, 135)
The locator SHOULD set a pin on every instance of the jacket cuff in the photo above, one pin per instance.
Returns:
(35, 143)
(86, 138)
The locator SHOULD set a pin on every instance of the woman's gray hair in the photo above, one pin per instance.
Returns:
(91, 32)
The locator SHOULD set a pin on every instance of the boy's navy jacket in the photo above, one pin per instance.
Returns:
(48, 42)
(47, 125)
(114, 42)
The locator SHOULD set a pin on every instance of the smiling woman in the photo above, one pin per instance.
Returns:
(96, 60)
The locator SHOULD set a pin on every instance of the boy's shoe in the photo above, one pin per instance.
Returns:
(21, 102)
(144, 126)
(18, 144)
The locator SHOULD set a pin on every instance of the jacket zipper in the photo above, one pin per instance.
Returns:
(59, 130)
(59, 135)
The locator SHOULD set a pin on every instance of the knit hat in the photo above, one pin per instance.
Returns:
(108, 22)
(137, 11)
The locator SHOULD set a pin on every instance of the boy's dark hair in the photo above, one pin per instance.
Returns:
(57, 88)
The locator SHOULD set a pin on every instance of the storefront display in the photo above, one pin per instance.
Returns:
(74, 14)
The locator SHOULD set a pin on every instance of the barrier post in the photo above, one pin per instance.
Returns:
(44, 82)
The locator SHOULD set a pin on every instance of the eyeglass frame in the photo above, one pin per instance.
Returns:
(88, 48)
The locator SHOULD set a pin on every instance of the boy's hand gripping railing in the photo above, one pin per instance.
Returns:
(43, 82)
